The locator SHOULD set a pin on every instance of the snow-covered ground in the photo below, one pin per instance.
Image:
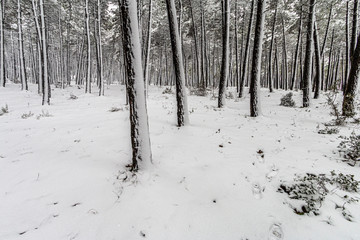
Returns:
(63, 176)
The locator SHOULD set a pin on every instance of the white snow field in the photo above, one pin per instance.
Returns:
(63, 177)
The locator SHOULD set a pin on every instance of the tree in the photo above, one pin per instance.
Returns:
(348, 107)
(140, 139)
(23, 77)
(182, 112)
(45, 78)
(243, 75)
(256, 63)
(2, 46)
(88, 72)
(308, 54)
(100, 52)
(225, 52)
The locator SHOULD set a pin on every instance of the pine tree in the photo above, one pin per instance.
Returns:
(182, 112)
(256, 64)
(140, 139)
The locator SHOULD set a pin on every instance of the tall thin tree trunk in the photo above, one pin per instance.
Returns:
(308, 55)
(88, 72)
(45, 78)
(100, 53)
(243, 75)
(225, 56)
(2, 47)
(148, 47)
(317, 63)
(256, 60)
(270, 75)
(348, 107)
(182, 111)
(354, 28)
(23, 78)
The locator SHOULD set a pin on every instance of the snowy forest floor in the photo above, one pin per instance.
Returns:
(63, 175)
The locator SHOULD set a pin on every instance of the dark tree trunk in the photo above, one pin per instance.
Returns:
(308, 55)
(243, 75)
(348, 108)
(225, 56)
(256, 60)
(182, 113)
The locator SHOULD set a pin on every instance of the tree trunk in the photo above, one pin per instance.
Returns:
(23, 78)
(270, 75)
(148, 47)
(242, 82)
(2, 47)
(225, 56)
(317, 63)
(308, 55)
(100, 57)
(140, 139)
(256, 60)
(354, 29)
(348, 107)
(182, 112)
(88, 72)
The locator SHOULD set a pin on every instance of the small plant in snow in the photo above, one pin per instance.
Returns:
(201, 92)
(73, 97)
(43, 114)
(4, 110)
(287, 100)
(27, 115)
(311, 190)
(349, 149)
(168, 90)
(116, 109)
(339, 119)
(230, 95)
(329, 130)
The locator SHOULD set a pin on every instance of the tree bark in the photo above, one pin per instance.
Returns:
(308, 55)
(140, 139)
(225, 56)
(256, 60)
(182, 112)
(242, 82)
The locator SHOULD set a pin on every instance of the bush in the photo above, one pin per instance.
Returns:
(201, 92)
(168, 90)
(328, 130)
(287, 100)
(27, 115)
(339, 119)
(43, 114)
(349, 149)
(73, 97)
(4, 110)
(312, 190)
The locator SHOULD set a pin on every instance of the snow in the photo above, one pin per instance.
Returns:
(61, 176)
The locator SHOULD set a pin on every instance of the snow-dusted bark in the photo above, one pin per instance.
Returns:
(348, 107)
(140, 139)
(308, 55)
(46, 83)
(256, 64)
(100, 57)
(24, 85)
(317, 62)
(225, 57)
(295, 65)
(245, 60)
(148, 47)
(182, 111)
(354, 29)
(88, 71)
(2, 59)
(270, 77)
